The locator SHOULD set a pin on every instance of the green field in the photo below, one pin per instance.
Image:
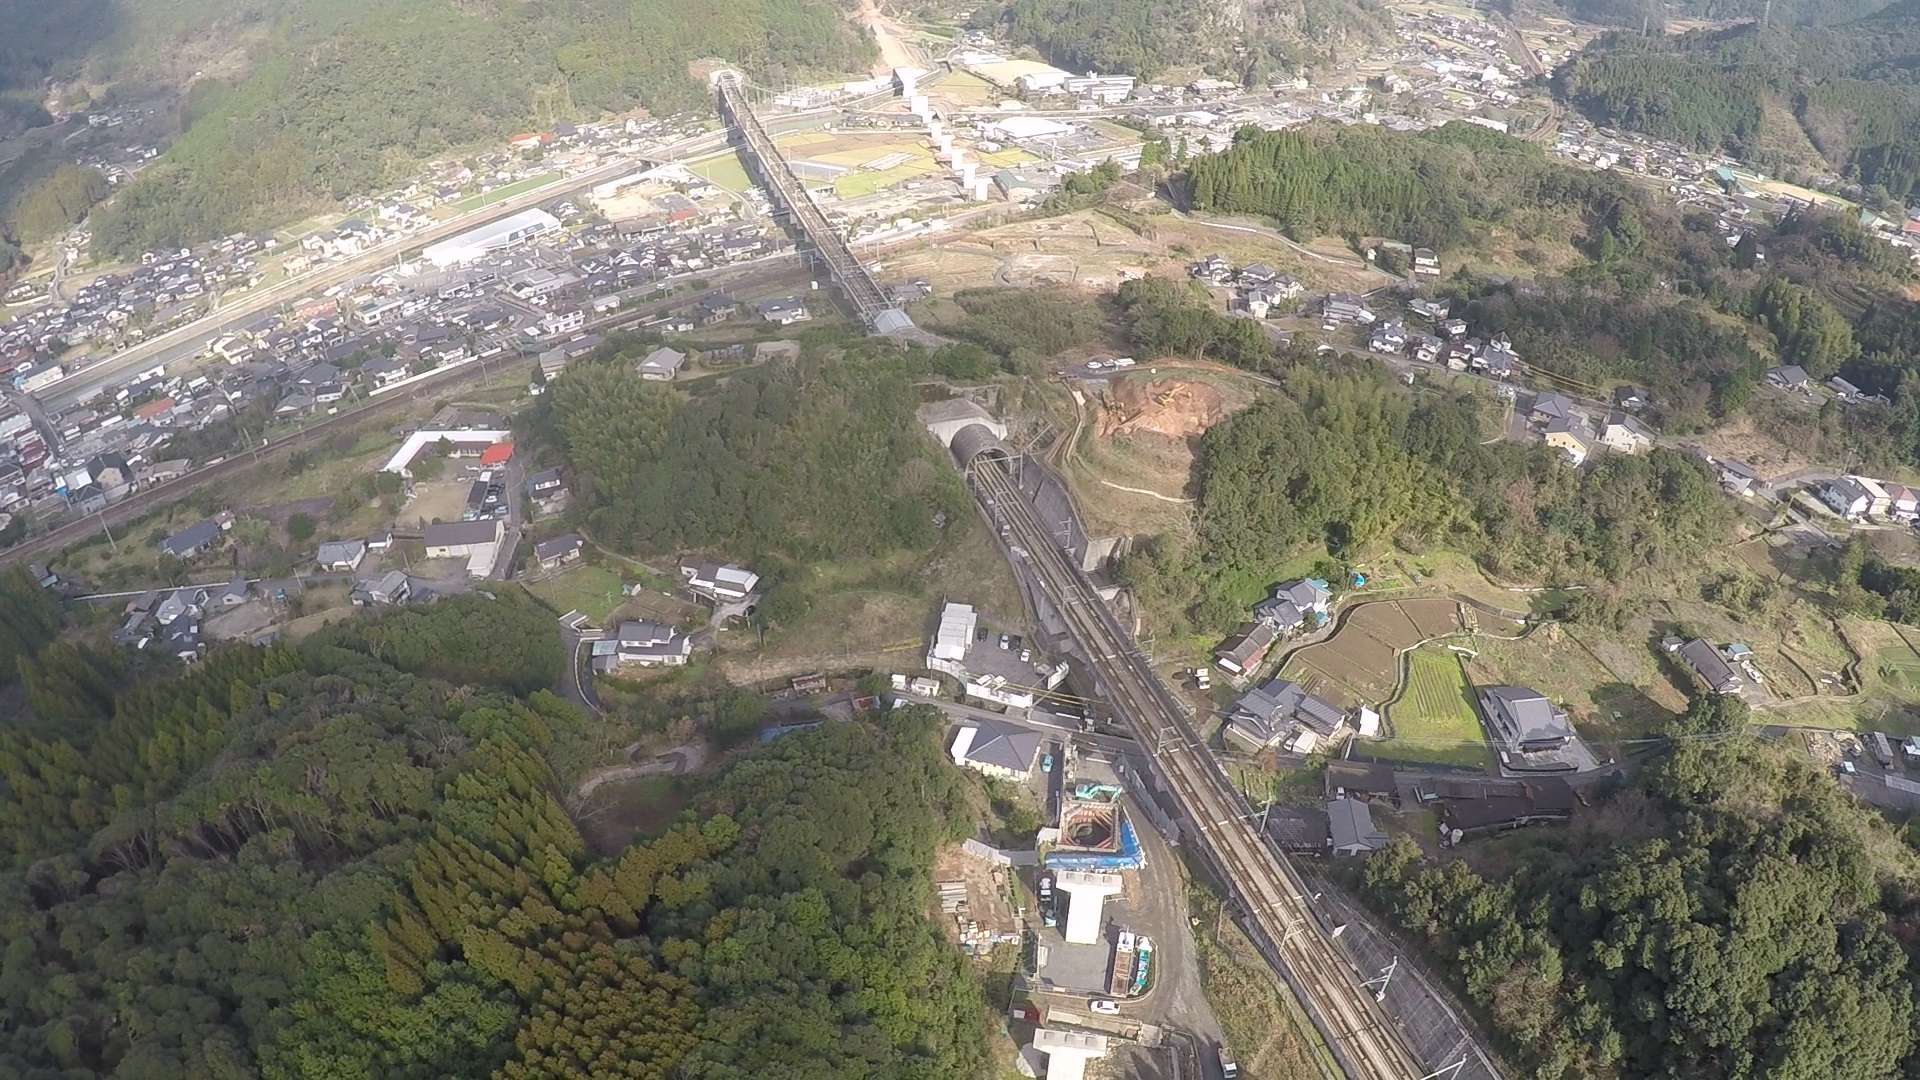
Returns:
(1434, 722)
(591, 590)
(520, 187)
(727, 171)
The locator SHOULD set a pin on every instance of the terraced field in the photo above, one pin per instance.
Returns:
(1435, 721)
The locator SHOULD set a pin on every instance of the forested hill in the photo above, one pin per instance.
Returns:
(1730, 913)
(1849, 90)
(322, 98)
(304, 862)
(1247, 41)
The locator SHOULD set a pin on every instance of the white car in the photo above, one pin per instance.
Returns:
(1105, 1007)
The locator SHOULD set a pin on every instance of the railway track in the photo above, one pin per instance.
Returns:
(1276, 903)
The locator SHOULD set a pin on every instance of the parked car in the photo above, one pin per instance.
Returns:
(1046, 764)
(1004, 641)
(1105, 1006)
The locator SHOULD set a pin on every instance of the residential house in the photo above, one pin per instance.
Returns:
(1286, 287)
(1454, 328)
(1257, 274)
(563, 322)
(784, 311)
(1788, 377)
(557, 552)
(545, 485)
(715, 308)
(1499, 359)
(1845, 390)
(1243, 652)
(1389, 337)
(1297, 829)
(1878, 498)
(197, 537)
(1631, 398)
(1846, 497)
(1345, 307)
(341, 555)
(385, 371)
(380, 540)
(1550, 407)
(1291, 604)
(642, 642)
(1425, 262)
(661, 365)
(476, 541)
(1710, 667)
(998, 749)
(1350, 828)
(1903, 503)
(1214, 268)
(1524, 720)
(1432, 310)
(1428, 349)
(1569, 437)
(1280, 711)
(1625, 435)
(391, 587)
(1482, 805)
(1737, 477)
(719, 581)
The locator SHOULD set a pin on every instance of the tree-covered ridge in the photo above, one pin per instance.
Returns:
(1440, 188)
(301, 862)
(1146, 39)
(1352, 461)
(818, 460)
(345, 96)
(1850, 87)
(1739, 916)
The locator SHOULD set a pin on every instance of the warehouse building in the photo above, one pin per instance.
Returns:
(495, 236)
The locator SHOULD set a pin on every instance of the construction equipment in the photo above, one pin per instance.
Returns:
(1096, 792)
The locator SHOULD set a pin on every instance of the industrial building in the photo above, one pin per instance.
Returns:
(495, 236)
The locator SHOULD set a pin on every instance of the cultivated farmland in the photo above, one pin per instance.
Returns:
(1435, 721)
(1358, 664)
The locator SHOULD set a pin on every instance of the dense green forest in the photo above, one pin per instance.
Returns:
(1730, 913)
(1440, 188)
(301, 862)
(1848, 88)
(1340, 462)
(1146, 39)
(344, 96)
(820, 460)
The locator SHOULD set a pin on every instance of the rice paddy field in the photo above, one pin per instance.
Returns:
(877, 161)
(1435, 721)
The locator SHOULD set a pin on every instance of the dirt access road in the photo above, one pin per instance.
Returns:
(889, 36)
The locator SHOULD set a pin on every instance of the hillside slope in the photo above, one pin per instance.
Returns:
(1851, 89)
(292, 103)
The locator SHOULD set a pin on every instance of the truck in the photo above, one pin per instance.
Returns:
(1120, 979)
(1227, 1067)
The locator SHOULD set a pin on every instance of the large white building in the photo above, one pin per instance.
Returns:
(494, 236)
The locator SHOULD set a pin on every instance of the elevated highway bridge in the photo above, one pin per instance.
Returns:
(823, 241)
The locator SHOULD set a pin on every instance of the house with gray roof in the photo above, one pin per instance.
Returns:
(997, 749)
(1291, 604)
(1524, 720)
(1710, 667)
(1350, 828)
(341, 555)
(1279, 710)
(661, 365)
